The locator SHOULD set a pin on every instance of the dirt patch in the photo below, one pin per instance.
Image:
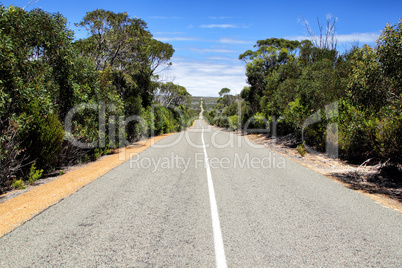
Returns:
(19, 206)
(385, 189)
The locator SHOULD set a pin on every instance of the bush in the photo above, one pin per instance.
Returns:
(388, 137)
(222, 121)
(34, 174)
(11, 153)
(301, 149)
(233, 122)
(42, 137)
(97, 154)
(133, 108)
(18, 184)
(363, 134)
(148, 125)
(258, 121)
(296, 113)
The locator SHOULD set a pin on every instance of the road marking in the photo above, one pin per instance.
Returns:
(216, 226)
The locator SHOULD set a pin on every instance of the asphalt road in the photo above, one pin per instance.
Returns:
(243, 207)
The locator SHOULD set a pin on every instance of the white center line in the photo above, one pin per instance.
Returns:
(216, 226)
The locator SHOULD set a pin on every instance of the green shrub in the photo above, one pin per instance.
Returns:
(85, 159)
(106, 151)
(233, 122)
(357, 132)
(222, 121)
(42, 136)
(132, 107)
(164, 120)
(97, 154)
(18, 184)
(11, 153)
(148, 125)
(301, 149)
(34, 174)
(295, 113)
(388, 137)
(258, 121)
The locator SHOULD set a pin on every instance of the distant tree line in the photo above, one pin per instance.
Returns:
(45, 73)
(289, 81)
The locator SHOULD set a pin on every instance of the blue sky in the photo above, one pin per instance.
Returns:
(208, 36)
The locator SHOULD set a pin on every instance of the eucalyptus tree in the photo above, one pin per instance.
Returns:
(262, 66)
(124, 45)
(169, 94)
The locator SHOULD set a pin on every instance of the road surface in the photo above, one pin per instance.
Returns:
(208, 198)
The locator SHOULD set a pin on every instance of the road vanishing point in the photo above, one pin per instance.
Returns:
(209, 198)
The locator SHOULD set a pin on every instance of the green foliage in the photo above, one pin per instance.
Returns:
(18, 184)
(389, 53)
(11, 153)
(169, 94)
(115, 39)
(263, 65)
(159, 53)
(295, 114)
(353, 139)
(301, 149)
(259, 121)
(164, 121)
(42, 136)
(125, 46)
(35, 61)
(371, 115)
(366, 87)
(44, 74)
(234, 122)
(389, 138)
(125, 51)
(224, 91)
(293, 81)
(98, 152)
(34, 174)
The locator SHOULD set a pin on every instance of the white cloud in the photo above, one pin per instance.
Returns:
(346, 38)
(207, 78)
(234, 41)
(361, 37)
(175, 38)
(213, 50)
(218, 58)
(169, 33)
(223, 26)
(297, 37)
(184, 38)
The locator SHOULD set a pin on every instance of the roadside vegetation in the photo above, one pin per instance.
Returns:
(290, 81)
(45, 72)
